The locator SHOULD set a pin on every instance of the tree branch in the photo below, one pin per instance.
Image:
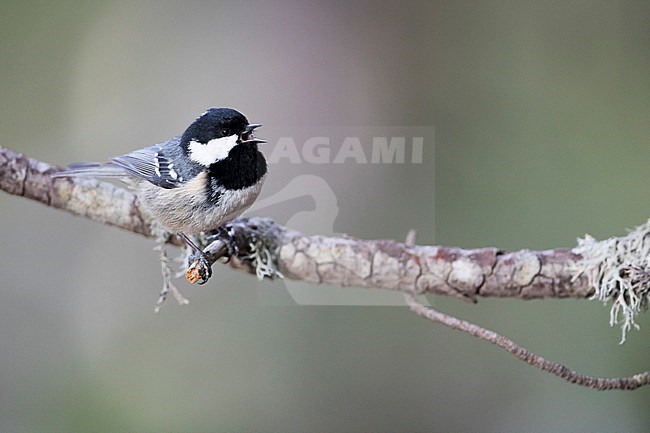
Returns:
(615, 269)
(342, 261)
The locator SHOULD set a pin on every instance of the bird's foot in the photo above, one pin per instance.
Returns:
(200, 268)
(227, 235)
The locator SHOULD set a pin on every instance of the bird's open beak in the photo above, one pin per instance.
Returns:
(247, 136)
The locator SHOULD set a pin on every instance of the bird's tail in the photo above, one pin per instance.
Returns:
(92, 169)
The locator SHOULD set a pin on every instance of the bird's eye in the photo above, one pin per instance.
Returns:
(225, 132)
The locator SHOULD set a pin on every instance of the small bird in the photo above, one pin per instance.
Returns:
(195, 182)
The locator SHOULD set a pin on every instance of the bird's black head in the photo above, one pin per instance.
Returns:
(215, 133)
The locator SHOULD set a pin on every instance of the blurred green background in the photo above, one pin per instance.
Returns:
(541, 115)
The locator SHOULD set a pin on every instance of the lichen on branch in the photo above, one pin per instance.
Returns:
(618, 270)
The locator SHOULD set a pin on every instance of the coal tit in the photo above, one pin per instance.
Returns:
(194, 182)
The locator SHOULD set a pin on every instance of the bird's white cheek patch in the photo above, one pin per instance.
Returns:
(213, 151)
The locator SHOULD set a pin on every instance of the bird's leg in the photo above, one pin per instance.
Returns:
(226, 233)
(205, 268)
(168, 285)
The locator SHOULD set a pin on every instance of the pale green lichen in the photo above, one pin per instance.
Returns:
(263, 260)
(618, 269)
(162, 236)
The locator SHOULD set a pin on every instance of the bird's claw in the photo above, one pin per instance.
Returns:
(227, 235)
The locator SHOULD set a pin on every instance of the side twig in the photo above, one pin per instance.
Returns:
(599, 383)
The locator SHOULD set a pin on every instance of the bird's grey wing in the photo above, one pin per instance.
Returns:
(150, 164)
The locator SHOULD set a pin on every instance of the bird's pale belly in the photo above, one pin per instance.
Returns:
(186, 209)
